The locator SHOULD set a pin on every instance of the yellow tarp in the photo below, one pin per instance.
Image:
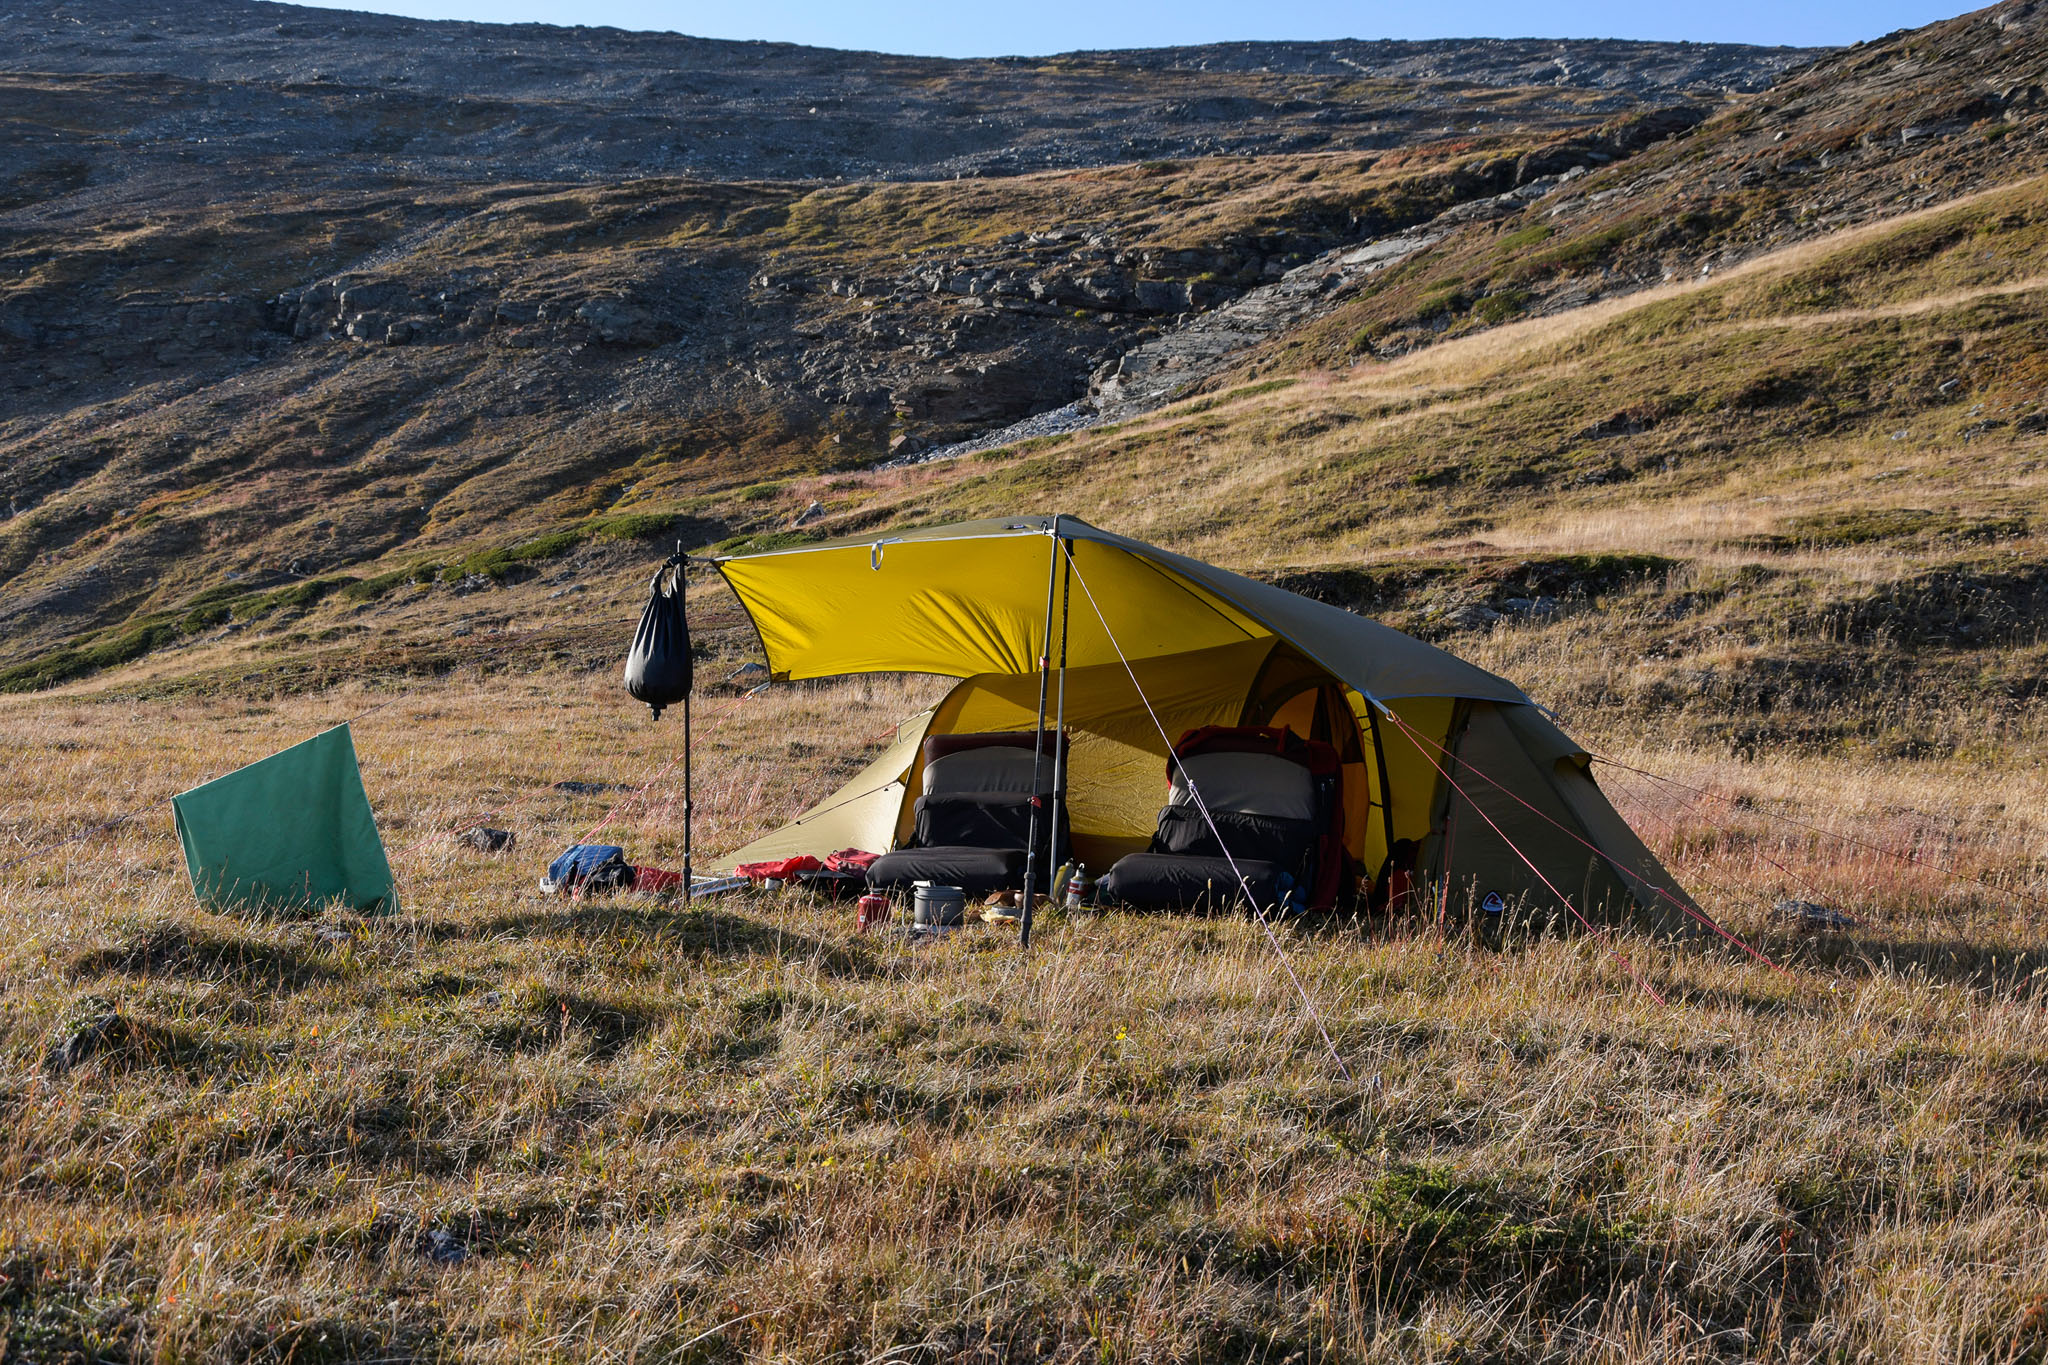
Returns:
(965, 604)
(970, 598)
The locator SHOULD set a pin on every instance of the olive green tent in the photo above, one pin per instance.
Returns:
(290, 832)
(1435, 750)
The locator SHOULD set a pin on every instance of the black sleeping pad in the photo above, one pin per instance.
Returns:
(1263, 838)
(977, 871)
(1173, 881)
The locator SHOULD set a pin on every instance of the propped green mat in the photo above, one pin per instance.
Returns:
(293, 832)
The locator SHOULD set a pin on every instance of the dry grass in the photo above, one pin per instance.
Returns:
(746, 1133)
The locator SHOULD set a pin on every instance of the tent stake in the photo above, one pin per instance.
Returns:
(1052, 580)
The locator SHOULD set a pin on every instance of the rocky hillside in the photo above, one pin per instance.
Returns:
(288, 295)
(1913, 121)
(363, 93)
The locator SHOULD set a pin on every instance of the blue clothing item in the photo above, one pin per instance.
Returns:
(587, 864)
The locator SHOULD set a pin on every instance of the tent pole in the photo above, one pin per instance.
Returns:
(1059, 725)
(1052, 580)
(1379, 753)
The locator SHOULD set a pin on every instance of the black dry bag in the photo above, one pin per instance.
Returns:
(658, 671)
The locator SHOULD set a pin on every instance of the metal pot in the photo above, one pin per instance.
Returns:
(939, 907)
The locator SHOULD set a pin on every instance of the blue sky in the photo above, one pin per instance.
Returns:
(979, 28)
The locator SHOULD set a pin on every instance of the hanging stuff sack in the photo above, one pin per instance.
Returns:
(658, 668)
(659, 671)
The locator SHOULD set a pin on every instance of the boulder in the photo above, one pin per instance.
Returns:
(1471, 616)
(616, 322)
(443, 1247)
(375, 295)
(1162, 296)
(1109, 289)
(1812, 915)
(102, 1033)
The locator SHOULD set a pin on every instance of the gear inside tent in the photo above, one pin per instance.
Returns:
(1137, 647)
(290, 832)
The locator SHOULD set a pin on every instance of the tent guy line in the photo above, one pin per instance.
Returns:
(1662, 892)
(1936, 865)
(1505, 790)
(82, 835)
(1763, 900)
(1265, 924)
(1601, 934)
(651, 786)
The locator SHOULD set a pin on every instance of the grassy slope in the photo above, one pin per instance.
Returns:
(1904, 122)
(744, 1133)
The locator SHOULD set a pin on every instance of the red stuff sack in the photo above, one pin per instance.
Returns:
(655, 880)
(781, 870)
(850, 860)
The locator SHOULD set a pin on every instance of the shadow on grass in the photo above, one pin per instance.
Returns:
(115, 1042)
(1755, 1004)
(47, 1314)
(1988, 970)
(324, 1339)
(703, 932)
(185, 953)
(605, 1028)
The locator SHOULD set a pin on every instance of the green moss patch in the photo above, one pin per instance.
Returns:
(495, 563)
(1450, 1228)
(1888, 525)
(62, 665)
(761, 544)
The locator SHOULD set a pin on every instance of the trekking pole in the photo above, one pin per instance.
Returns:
(1054, 893)
(1052, 580)
(682, 562)
(689, 806)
